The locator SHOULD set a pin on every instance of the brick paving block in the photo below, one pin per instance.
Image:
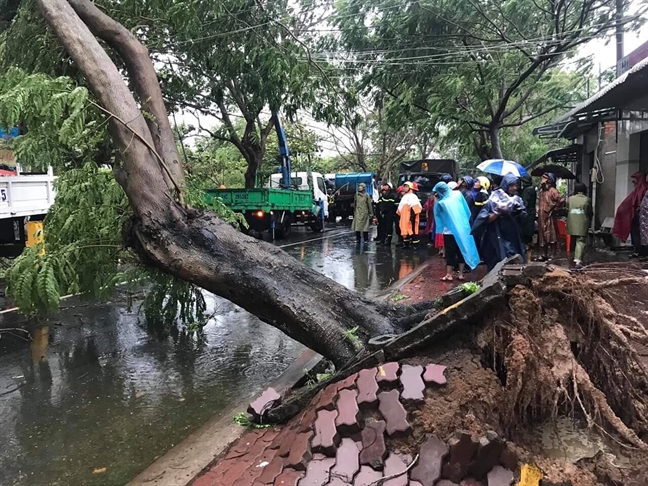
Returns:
(326, 437)
(413, 386)
(239, 465)
(348, 413)
(207, 479)
(462, 450)
(471, 482)
(498, 476)
(394, 413)
(394, 464)
(387, 375)
(348, 382)
(308, 419)
(415, 483)
(336, 482)
(367, 477)
(245, 443)
(327, 397)
(367, 388)
(444, 482)
(428, 468)
(488, 453)
(289, 477)
(281, 437)
(300, 452)
(434, 374)
(271, 471)
(317, 472)
(374, 451)
(347, 461)
(287, 443)
(263, 403)
(252, 473)
(270, 435)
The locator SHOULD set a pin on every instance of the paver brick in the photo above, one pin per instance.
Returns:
(337, 482)
(471, 482)
(462, 450)
(308, 419)
(428, 468)
(207, 479)
(289, 477)
(245, 443)
(348, 413)
(435, 374)
(488, 454)
(413, 386)
(327, 397)
(444, 482)
(394, 464)
(300, 452)
(239, 465)
(374, 450)
(367, 476)
(252, 473)
(414, 483)
(317, 472)
(387, 375)
(498, 476)
(367, 388)
(263, 403)
(348, 382)
(394, 413)
(271, 471)
(326, 437)
(287, 442)
(347, 461)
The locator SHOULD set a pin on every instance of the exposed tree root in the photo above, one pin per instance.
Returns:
(564, 350)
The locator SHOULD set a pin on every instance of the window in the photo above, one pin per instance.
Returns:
(424, 181)
(320, 185)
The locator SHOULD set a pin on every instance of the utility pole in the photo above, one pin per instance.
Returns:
(619, 35)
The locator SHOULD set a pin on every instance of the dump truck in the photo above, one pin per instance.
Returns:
(289, 198)
(345, 187)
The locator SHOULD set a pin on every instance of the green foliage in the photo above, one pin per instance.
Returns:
(243, 420)
(61, 128)
(399, 297)
(470, 287)
(352, 335)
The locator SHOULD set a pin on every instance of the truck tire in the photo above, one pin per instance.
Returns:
(317, 226)
(284, 228)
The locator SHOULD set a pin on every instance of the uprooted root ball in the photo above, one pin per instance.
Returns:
(563, 349)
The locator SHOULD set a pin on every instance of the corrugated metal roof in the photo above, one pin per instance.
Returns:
(616, 84)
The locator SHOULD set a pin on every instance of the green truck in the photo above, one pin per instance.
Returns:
(277, 210)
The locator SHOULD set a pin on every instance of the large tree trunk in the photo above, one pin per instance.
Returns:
(496, 149)
(197, 246)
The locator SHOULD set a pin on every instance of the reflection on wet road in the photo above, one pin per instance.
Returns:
(94, 390)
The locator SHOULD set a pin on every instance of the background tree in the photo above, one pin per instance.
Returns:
(474, 68)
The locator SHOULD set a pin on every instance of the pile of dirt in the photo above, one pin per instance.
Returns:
(565, 346)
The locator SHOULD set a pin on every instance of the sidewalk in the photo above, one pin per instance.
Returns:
(428, 286)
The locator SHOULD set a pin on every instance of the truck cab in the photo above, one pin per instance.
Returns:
(302, 182)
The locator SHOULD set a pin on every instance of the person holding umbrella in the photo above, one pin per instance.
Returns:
(550, 202)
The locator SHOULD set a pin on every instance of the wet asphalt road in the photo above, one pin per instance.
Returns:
(94, 390)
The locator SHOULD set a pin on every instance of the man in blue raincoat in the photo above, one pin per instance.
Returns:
(452, 219)
(498, 224)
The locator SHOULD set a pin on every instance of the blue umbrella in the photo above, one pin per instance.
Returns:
(502, 167)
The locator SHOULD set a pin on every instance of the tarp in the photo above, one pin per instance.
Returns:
(348, 183)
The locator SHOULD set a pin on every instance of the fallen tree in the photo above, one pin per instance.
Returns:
(551, 359)
(193, 245)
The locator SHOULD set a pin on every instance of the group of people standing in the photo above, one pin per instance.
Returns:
(471, 224)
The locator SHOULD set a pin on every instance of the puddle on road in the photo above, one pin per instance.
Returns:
(94, 390)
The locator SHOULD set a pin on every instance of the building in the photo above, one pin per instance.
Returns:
(609, 137)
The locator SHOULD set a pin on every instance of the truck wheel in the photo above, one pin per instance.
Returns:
(284, 228)
(317, 226)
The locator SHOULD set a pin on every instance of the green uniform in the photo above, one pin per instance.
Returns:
(362, 213)
(578, 220)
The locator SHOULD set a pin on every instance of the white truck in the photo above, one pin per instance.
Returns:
(24, 202)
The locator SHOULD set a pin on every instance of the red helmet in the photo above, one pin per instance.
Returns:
(415, 186)
(400, 190)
